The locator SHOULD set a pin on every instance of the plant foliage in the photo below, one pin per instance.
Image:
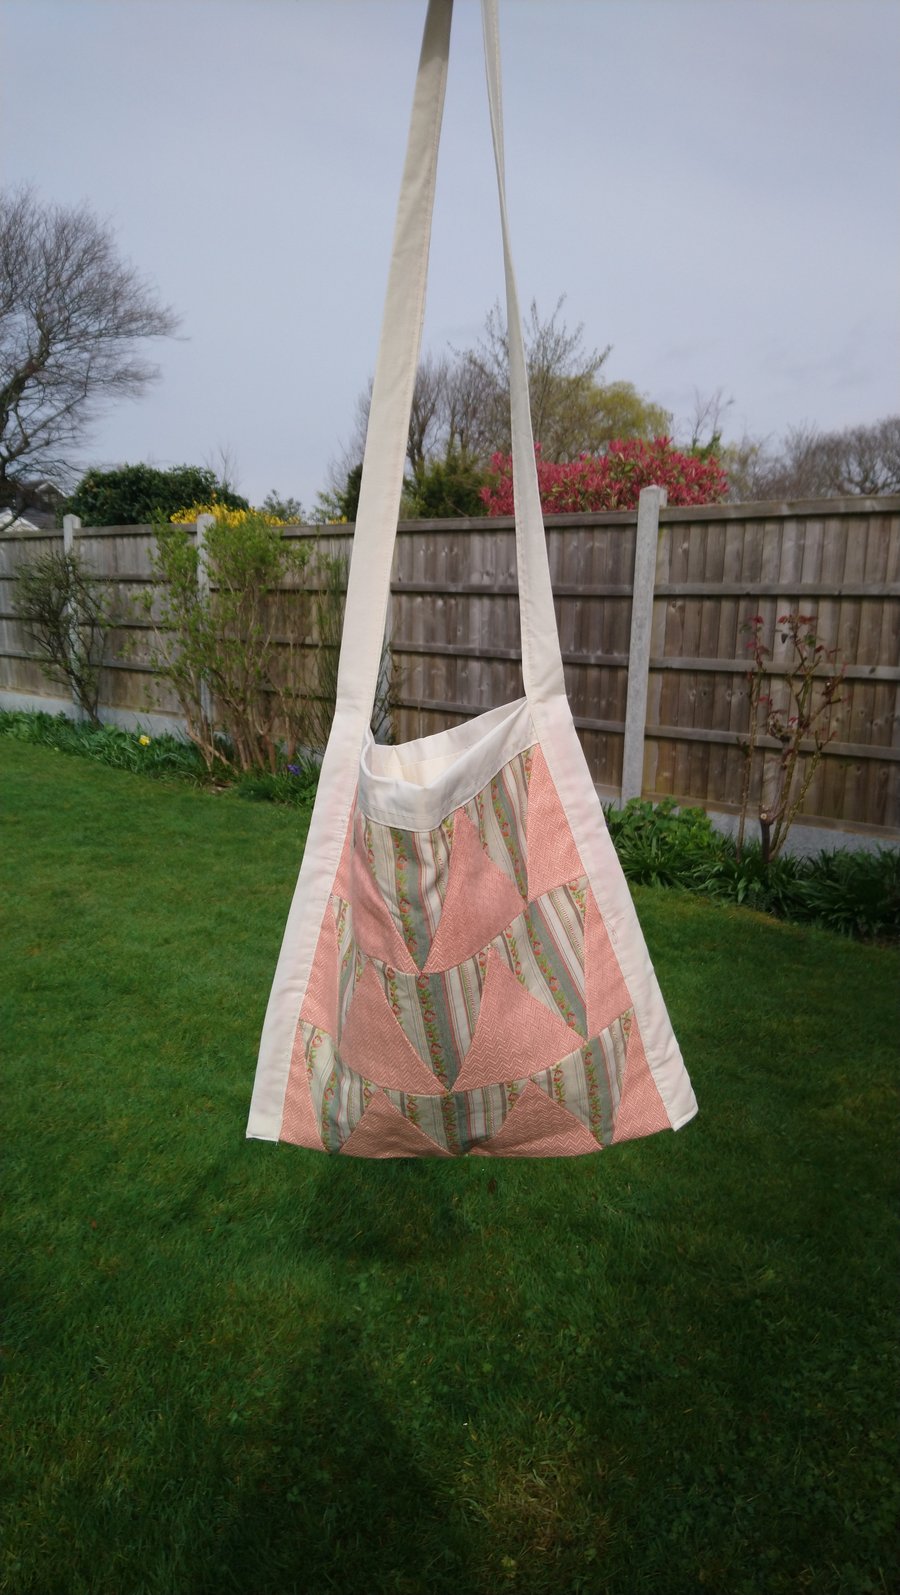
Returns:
(442, 489)
(855, 893)
(254, 667)
(161, 756)
(215, 641)
(67, 614)
(137, 495)
(611, 481)
(797, 714)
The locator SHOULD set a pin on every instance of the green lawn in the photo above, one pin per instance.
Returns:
(233, 1367)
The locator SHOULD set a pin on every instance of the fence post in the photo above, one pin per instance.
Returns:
(206, 703)
(71, 525)
(651, 501)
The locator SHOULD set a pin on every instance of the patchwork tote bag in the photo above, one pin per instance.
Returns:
(462, 970)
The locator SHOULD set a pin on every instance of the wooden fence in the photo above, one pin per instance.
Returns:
(454, 635)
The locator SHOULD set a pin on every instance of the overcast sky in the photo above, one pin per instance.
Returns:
(713, 184)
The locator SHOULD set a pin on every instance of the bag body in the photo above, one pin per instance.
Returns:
(462, 971)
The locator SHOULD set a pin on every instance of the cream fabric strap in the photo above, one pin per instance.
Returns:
(385, 452)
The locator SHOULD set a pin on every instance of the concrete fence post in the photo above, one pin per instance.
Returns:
(72, 525)
(651, 501)
(203, 521)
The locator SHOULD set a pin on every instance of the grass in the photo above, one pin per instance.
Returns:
(233, 1367)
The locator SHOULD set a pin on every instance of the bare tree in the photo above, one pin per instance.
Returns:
(428, 409)
(867, 458)
(72, 315)
(707, 419)
(468, 406)
(813, 464)
(223, 463)
(562, 380)
(748, 465)
(460, 405)
(801, 469)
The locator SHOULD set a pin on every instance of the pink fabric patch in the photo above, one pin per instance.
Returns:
(341, 887)
(384, 1132)
(641, 1108)
(607, 996)
(538, 1127)
(373, 1044)
(515, 1035)
(320, 1005)
(481, 901)
(298, 1119)
(374, 930)
(552, 855)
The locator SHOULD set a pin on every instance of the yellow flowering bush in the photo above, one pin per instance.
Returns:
(224, 515)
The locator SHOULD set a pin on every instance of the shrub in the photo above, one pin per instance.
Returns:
(220, 642)
(135, 495)
(746, 878)
(802, 724)
(295, 784)
(853, 893)
(225, 514)
(444, 488)
(234, 680)
(611, 481)
(67, 614)
(659, 844)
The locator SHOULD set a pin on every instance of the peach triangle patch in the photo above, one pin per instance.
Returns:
(320, 1005)
(341, 886)
(373, 1044)
(606, 993)
(481, 901)
(552, 855)
(298, 1120)
(516, 1035)
(384, 1132)
(641, 1108)
(538, 1127)
(374, 930)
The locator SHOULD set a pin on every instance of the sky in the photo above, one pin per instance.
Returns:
(712, 184)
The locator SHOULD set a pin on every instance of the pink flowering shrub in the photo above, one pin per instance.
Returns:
(611, 481)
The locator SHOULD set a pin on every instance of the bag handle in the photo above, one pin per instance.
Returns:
(368, 587)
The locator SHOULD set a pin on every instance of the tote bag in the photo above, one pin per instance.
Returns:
(462, 971)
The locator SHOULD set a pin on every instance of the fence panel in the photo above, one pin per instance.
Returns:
(454, 629)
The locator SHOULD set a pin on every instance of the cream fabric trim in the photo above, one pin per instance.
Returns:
(417, 785)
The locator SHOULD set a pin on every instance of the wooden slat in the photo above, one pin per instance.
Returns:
(834, 750)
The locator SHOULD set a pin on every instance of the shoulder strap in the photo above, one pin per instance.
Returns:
(541, 659)
(392, 392)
